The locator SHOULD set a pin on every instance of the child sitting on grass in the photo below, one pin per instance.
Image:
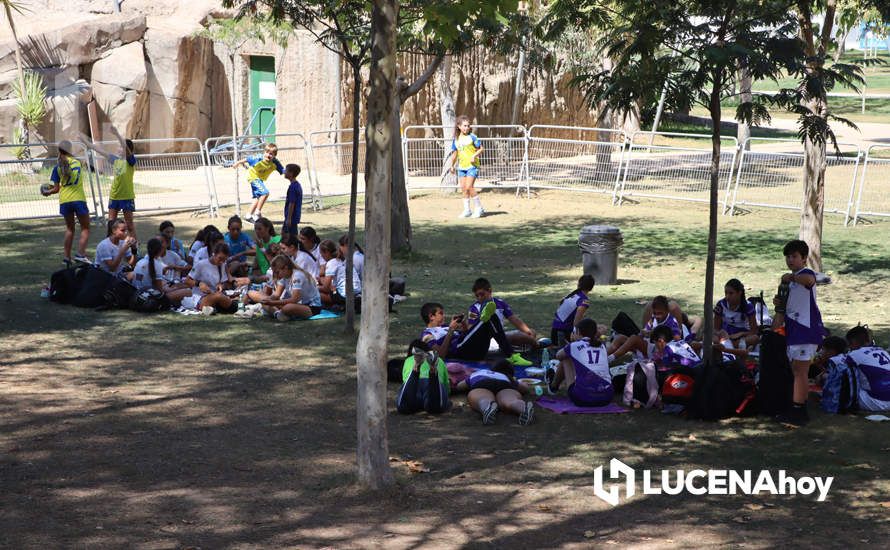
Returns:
(296, 292)
(584, 366)
(497, 389)
(425, 383)
(735, 322)
(458, 340)
(872, 365)
(571, 311)
(523, 336)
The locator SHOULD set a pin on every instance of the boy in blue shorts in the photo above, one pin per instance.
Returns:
(803, 327)
(259, 170)
(293, 204)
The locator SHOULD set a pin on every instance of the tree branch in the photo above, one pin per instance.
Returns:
(421, 81)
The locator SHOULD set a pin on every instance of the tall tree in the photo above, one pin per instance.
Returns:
(812, 108)
(694, 46)
(372, 451)
(342, 27)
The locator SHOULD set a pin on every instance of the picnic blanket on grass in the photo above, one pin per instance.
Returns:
(563, 405)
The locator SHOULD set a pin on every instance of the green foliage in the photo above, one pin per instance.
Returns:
(233, 33)
(30, 102)
(18, 151)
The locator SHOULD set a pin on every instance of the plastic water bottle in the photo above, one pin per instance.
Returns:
(545, 357)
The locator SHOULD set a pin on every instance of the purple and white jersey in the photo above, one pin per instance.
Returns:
(435, 336)
(482, 375)
(803, 322)
(872, 365)
(565, 313)
(676, 328)
(678, 352)
(735, 320)
(503, 311)
(591, 364)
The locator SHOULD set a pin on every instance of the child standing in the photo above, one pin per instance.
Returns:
(123, 193)
(571, 311)
(803, 327)
(293, 204)
(260, 168)
(72, 201)
(465, 151)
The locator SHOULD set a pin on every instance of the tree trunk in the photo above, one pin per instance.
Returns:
(353, 195)
(814, 200)
(18, 50)
(708, 333)
(842, 45)
(745, 96)
(517, 90)
(373, 448)
(234, 135)
(401, 217)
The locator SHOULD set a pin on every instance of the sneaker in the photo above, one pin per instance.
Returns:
(82, 259)
(549, 378)
(528, 415)
(490, 414)
(519, 361)
(251, 218)
(280, 316)
(487, 311)
(795, 417)
(208, 310)
(478, 213)
(465, 214)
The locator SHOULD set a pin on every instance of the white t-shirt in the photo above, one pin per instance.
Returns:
(307, 287)
(305, 261)
(196, 246)
(107, 250)
(209, 274)
(142, 276)
(339, 274)
(201, 254)
(358, 263)
(172, 259)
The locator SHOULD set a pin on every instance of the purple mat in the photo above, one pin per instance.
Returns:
(563, 405)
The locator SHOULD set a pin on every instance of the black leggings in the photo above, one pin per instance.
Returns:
(474, 346)
(426, 394)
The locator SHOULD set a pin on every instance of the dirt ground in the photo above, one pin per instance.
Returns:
(168, 431)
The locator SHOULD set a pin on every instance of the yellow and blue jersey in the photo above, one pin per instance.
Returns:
(71, 187)
(466, 146)
(261, 169)
(122, 185)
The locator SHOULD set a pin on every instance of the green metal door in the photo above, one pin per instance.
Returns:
(262, 94)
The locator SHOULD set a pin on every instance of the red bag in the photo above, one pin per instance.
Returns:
(677, 388)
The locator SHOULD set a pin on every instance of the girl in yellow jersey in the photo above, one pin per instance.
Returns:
(465, 151)
(122, 197)
(68, 183)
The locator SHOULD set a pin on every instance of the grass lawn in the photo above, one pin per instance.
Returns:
(122, 430)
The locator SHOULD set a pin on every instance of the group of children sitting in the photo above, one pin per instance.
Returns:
(288, 276)
(585, 351)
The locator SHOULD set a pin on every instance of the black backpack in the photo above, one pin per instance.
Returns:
(623, 324)
(118, 294)
(92, 284)
(775, 391)
(721, 390)
(149, 301)
(64, 284)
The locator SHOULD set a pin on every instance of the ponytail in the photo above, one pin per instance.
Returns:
(154, 248)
